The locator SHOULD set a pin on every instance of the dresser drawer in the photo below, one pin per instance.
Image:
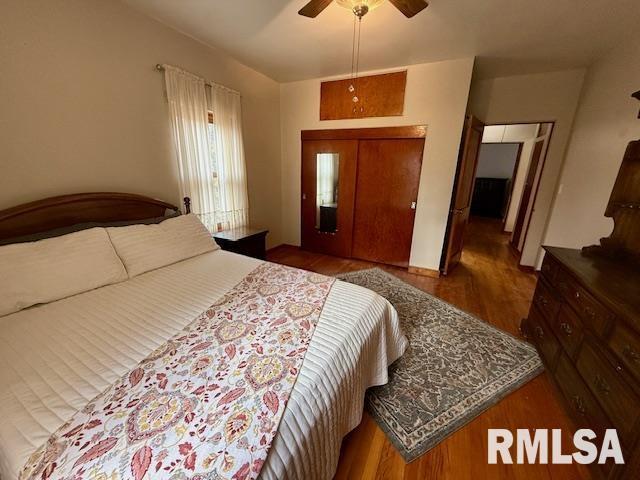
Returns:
(626, 345)
(586, 412)
(615, 397)
(546, 301)
(568, 328)
(592, 312)
(541, 335)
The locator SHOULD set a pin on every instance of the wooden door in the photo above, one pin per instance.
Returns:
(386, 195)
(327, 225)
(462, 192)
(527, 192)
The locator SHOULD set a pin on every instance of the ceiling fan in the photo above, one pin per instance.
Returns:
(360, 7)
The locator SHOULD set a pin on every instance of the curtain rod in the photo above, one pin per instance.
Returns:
(160, 68)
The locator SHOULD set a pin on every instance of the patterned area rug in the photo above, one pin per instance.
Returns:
(456, 367)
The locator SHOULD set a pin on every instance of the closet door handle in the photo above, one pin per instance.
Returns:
(413, 205)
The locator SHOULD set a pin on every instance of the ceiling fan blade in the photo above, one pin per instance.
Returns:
(314, 8)
(410, 7)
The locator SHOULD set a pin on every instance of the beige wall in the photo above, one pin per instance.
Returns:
(436, 96)
(532, 99)
(82, 108)
(605, 122)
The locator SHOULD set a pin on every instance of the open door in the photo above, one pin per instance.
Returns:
(527, 193)
(462, 192)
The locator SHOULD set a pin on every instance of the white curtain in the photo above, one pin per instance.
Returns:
(188, 112)
(211, 164)
(229, 151)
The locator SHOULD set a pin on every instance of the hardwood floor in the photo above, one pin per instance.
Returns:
(488, 284)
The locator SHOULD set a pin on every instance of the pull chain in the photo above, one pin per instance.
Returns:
(353, 55)
(356, 53)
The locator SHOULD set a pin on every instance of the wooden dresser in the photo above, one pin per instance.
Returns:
(585, 323)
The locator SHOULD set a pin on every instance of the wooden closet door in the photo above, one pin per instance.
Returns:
(386, 196)
(337, 241)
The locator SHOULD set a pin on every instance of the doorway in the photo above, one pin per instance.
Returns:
(493, 188)
(507, 163)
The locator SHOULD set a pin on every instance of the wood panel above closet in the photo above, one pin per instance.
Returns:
(378, 96)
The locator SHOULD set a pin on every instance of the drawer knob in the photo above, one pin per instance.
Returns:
(566, 328)
(539, 332)
(629, 352)
(602, 385)
(579, 404)
(577, 294)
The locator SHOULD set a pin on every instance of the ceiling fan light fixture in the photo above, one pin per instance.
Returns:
(360, 7)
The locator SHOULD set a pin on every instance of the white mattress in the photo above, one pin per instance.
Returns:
(54, 358)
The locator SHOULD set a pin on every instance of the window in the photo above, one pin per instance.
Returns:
(209, 219)
(210, 154)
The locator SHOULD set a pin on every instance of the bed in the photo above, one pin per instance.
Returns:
(58, 356)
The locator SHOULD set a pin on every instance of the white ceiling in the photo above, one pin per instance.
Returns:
(508, 36)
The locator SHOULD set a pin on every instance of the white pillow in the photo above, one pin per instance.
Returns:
(55, 268)
(147, 247)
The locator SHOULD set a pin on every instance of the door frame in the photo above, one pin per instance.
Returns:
(377, 133)
(520, 227)
(533, 198)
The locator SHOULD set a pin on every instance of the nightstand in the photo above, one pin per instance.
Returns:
(243, 240)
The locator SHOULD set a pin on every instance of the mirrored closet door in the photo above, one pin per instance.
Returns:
(328, 179)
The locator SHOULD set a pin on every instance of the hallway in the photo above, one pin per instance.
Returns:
(488, 284)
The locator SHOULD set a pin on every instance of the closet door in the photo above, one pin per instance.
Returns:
(328, 189)
(386, 196)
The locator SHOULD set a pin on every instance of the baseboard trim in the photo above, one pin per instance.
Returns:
(527, 268)
(425, 272)
(282, 245)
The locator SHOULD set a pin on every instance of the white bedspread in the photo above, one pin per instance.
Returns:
(56, 357)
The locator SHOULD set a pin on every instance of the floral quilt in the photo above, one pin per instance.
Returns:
(207, 403)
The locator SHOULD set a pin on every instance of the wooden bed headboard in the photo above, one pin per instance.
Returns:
(67, 210)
